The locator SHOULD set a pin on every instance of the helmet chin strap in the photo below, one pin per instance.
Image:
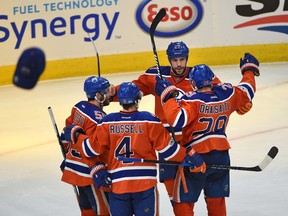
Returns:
(101, 101)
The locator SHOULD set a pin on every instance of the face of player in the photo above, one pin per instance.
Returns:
(105, 98)
(178, 65)
(111, 91)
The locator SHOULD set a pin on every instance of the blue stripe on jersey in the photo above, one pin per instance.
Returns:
(247, 88)
(181, 119)
(139, 172)
(168, 152)
(88, 150)
(177, 129)
(78, 168)
(179, 122)
(203, 137)
(222, 91)
(165, 71)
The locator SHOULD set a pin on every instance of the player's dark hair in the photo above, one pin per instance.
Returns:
(128, 106)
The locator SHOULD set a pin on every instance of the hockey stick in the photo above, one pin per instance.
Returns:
(159, 16)
(266, 161)
(97, 55)
(62, 150)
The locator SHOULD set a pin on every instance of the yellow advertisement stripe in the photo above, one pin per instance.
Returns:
(141, 61)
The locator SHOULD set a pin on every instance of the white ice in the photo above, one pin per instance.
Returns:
(30, 156)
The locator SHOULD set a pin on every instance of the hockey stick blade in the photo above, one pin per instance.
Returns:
(267, 160)
(270, 156)
(159, 16)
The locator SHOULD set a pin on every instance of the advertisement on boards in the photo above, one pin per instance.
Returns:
(64, 28)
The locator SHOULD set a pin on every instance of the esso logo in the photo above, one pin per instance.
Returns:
(179, 19)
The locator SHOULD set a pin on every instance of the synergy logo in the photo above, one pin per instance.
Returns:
(13, 27)
(180, 18)
(269, 22)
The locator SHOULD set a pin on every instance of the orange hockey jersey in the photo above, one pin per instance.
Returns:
(204, 116)
(77, 167)
(131, 135)
(147, 83)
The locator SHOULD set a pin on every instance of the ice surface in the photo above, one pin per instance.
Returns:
(30, 155)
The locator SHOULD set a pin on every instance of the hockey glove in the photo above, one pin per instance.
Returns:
(65, 144)
(196, 161)
(164, 89)
(62, 165)
(71, 132)
(63, 138)
(101, 176)
(246, 108)
(249, 62)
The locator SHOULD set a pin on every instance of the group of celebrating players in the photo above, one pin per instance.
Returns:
(192, 109)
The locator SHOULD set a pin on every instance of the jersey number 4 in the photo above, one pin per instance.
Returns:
(124, 148)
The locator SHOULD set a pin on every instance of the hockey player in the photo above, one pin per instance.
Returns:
(131, 133)
(178, 74)
(204, 114)
(87, 114)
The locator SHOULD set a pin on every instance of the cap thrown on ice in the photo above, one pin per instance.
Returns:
(30, 66)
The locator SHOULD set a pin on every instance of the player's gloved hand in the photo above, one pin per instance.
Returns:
(65, 144)
(246, 108)
(62, 165)
(196, 161)
(101, 176)
(165, 90)
(71, 132)
(249, 62)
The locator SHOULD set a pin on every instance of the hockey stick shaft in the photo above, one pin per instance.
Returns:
(56, 131)
(159, 16)
(97, 55)
(267, 160)
(76, 191)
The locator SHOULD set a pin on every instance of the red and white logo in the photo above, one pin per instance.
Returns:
(180, 18)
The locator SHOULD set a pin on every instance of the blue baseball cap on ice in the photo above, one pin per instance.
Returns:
(30, 66)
